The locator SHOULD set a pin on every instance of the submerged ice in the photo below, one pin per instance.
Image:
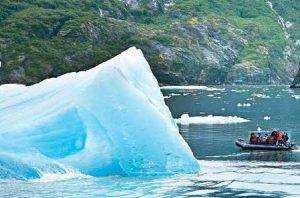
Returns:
(111, 119)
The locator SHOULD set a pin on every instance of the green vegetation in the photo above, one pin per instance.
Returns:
(185, 41)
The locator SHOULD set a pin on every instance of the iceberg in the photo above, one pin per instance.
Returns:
(110, 119)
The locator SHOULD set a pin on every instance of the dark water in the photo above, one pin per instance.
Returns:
(226, 170)
(265, 107)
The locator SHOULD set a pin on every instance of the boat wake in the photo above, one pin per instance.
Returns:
(296, 150)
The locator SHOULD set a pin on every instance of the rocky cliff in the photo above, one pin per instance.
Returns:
(296, 81)
(185, 41)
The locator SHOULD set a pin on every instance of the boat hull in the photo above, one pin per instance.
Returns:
(246, 146)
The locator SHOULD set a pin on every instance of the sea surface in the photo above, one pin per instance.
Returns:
(217, 117)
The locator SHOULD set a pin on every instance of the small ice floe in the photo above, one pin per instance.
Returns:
(223, 109)
(210, 95)
(184, 119)
(287, 91)
(243, 105)
(297, 97)
(259, 95)
(175, 94)
(239, 91)
(167, 97)
(210, 119)
(185, 94)
(192, 87)
(267, 118)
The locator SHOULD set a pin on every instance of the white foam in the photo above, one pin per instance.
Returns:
(296, 151)
(213, 120)
(54, 177)
(192, 87)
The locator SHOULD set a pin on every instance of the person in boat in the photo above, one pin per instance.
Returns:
(280, 138)
(276, 138)
(270, 140)
(253, 138)
(285, 137)
(263, 139)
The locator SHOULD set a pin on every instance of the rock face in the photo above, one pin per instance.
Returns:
(296, 82)
(186, 42)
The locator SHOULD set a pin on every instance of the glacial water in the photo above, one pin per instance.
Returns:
(218, 116)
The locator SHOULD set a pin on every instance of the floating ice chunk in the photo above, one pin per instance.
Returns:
(213, 120)
(244, 105)
(175, 94)
(297, 97)
(184, 119)
(259, 95)
(267, 118)
(192, 87)
(111, 119)
(239, 90)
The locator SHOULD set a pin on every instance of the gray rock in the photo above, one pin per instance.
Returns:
(17, 75)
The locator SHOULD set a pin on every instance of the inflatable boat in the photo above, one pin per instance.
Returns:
(247, 146)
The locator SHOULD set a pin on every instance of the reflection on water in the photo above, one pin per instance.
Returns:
(217, 179)
(226, 170)
(254, 172)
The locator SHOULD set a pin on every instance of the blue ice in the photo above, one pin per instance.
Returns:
(111, 119)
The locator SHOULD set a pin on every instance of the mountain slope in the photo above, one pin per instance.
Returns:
(185, 41)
